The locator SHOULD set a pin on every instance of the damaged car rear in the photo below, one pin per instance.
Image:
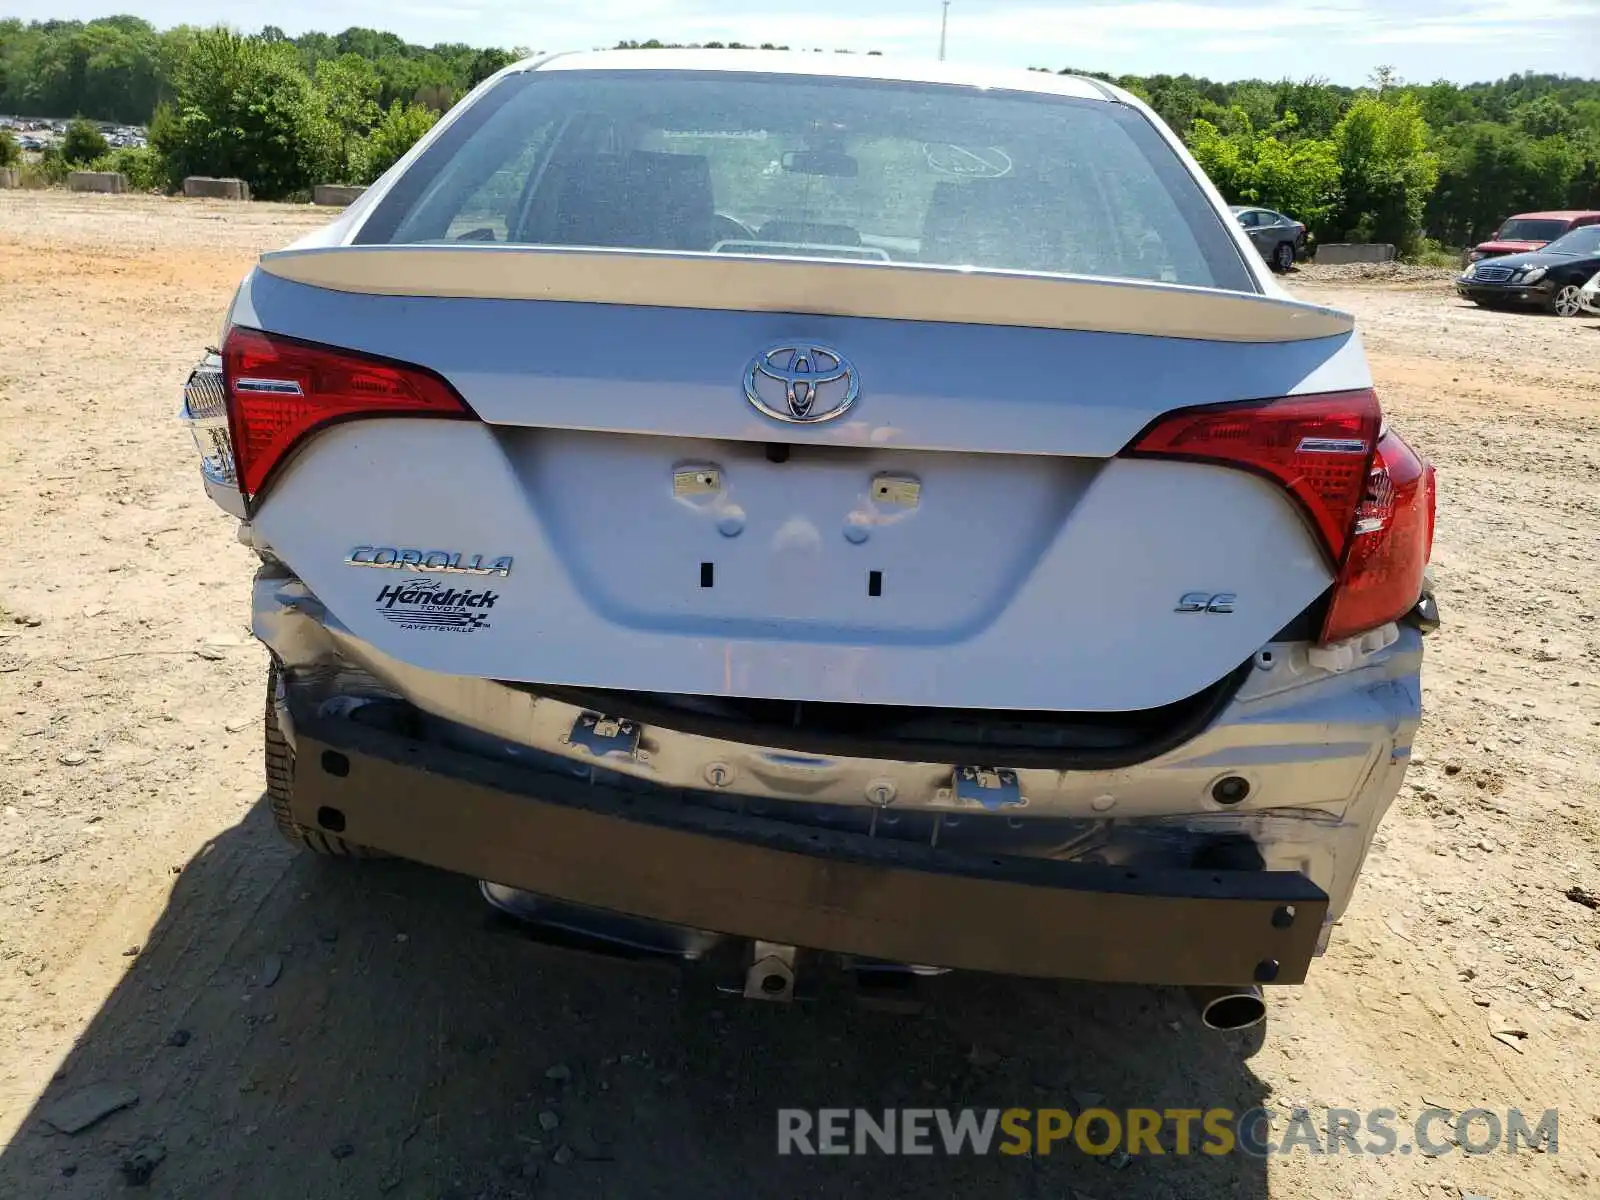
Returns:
(827, 510)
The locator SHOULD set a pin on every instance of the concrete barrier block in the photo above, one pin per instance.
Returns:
(97, 181)
(1335, 253)
(10, 177)
(216, 189)
(335, 195)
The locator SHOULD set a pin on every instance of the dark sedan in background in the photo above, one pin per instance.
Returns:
(1280, 239)
(1549, 278)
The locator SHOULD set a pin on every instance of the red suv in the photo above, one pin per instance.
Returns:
(1529, 231)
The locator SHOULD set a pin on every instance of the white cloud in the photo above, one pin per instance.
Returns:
(1489, 26)
(1238, 45)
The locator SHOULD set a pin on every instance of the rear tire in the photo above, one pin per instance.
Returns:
(280, 787)
(1283, 258)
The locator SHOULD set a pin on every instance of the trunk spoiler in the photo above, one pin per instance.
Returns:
(906, 292)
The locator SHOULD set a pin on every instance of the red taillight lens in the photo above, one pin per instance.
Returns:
(1317, 447)
(1364, 491)
(280, 390)
(1381, 577)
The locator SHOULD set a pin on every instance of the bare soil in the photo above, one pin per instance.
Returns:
(298, 1028)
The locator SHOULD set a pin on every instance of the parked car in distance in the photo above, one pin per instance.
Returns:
(1529, 231)
(695, 551)
(1551, 278)
(1589, 295)
(1280, 239)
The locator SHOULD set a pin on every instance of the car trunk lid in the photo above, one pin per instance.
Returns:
(965, 535)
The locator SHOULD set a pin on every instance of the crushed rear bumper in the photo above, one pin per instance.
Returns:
(823, 889)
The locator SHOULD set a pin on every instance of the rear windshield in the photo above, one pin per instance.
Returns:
(1529, 230)
(754, 164)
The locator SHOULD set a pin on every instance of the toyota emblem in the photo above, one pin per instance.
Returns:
(801, 383)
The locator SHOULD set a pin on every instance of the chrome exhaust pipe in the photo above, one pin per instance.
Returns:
(1229, 1008)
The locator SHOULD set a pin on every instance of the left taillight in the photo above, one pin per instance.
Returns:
(280, 390)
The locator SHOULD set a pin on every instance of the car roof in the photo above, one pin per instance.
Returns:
(837, 66)
(1561, 214)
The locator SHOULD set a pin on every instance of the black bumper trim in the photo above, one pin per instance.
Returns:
(822, 889)
(1513, 294)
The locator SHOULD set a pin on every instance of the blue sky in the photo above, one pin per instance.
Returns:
(1226, 39)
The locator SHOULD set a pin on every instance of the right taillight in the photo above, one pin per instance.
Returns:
(1315, 447)
(1381, 576)
(1364, 493)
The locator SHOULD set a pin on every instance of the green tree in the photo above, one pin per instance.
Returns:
(245, 108)
(10, 152)
(1316, 104)
(53, 165)
(1386, 169)
(395, 133)
(107, 68)
(1270, 168)
(1180, 102)
(142, 167)
(1545, 117)
(348, 87)
(1489, 171)
(1444, 105)
(1255, 102)
(486, 62)
(83, 142)
(120, 70)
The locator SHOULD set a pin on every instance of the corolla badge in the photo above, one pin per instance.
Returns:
(434, 562)
(801, 383)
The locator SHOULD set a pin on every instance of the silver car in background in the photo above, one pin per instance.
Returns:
(1280, 239)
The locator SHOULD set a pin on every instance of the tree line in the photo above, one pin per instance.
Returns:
(282, 113)
(1390, 161)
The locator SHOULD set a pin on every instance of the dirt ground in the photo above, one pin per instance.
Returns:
(298, 1028)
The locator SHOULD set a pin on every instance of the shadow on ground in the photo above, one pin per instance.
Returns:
(404, 1049)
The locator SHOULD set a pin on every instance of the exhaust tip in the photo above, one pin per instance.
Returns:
(1229, 1008)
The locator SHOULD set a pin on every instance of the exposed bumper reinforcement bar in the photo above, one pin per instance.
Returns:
(826, 890)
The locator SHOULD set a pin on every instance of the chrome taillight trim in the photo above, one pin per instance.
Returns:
(268, 387)
(204, 412)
